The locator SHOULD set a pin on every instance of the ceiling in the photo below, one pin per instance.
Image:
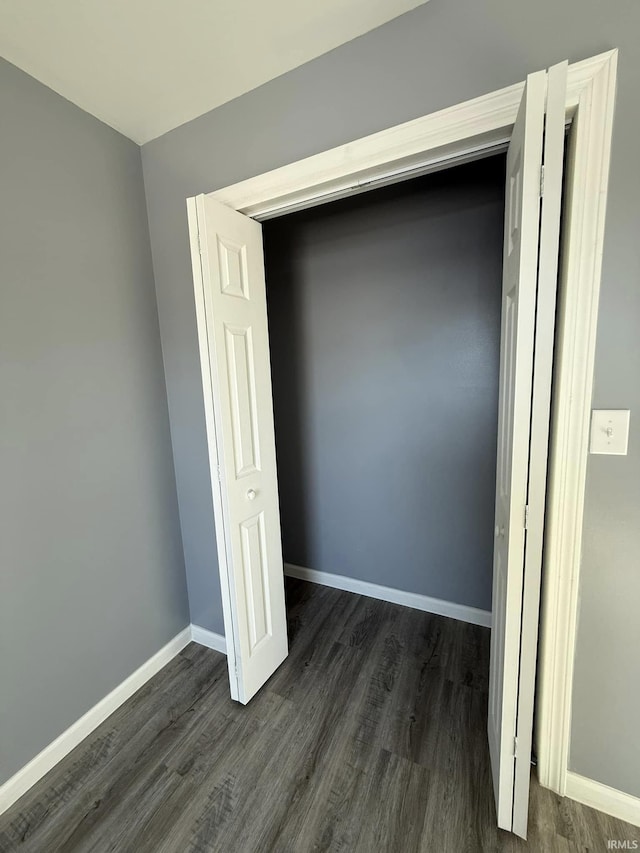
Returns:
(147, 66)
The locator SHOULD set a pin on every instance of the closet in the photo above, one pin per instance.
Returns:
(385, 357)
(384, 331)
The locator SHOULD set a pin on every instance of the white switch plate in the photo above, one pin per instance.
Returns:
(609, 431)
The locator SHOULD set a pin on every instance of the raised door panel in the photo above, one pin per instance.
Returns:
(240, 360)
(255, 566)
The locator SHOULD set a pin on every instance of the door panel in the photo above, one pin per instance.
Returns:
(554, 134)
(255, 563)
(232, 315)
(239, 360)
(528, 314)
(522, 205)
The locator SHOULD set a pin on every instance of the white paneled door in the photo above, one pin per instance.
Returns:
(234, 348)
(526, 351)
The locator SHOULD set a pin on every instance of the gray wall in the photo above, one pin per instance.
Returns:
(384, 322)
(440, 54)
(92, 576)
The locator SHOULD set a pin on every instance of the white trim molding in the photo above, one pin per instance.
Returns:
(588, 170)
(45, 760)
(204, 637)
(463, 131)
(602, 797)
(396, 596)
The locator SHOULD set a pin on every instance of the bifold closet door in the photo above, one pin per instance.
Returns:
(228, 271)
(228, 267)
(528, 307)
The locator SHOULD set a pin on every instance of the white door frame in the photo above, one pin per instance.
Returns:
(439, 140)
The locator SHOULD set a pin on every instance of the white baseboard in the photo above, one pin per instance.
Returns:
(210, 639)
(27, 776)
(603, 798)
(18, 784)
(396, 596)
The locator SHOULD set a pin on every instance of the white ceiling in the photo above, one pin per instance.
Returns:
(147, 66)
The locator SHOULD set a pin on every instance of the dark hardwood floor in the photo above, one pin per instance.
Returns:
(370, 737)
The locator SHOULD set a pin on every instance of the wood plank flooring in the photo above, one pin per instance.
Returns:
(370, 737)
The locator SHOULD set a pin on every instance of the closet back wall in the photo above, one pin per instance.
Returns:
(384, 320)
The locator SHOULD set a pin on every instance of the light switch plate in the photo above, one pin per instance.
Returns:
(609, 431)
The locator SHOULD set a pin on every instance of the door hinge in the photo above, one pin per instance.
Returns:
(199, 243)
(219, 474)
(541, 181)
(526, 517)
(515, 747)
